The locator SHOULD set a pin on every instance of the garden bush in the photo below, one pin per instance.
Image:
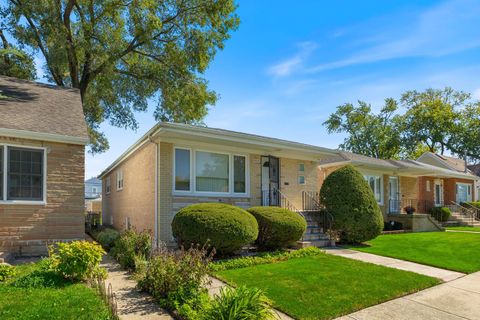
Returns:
(132, 244)
(240, 304)
(175, 278)
(224, 227)
(77, 260)
(6, 271)
(107, 237)
(263, 258)
(350, 200)
(440, 213)
(277, 227)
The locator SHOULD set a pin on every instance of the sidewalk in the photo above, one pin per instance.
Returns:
(442, 274)
(454, 300)
(132, 304)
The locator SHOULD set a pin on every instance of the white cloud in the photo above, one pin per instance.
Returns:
(292, 64)
(442, 30)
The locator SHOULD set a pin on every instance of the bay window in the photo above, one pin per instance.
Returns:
(202, 171)
(375, 183)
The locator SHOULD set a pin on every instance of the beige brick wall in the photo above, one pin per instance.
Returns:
(289, 174)
(136, 201)
(165, 192)
(27, 228)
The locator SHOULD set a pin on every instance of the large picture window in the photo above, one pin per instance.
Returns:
(25, 174)
(375, 183)
(209, 172)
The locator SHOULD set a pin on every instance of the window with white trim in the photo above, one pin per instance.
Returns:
(119, 179)
(375, 183)
(301, 179)
(107, 185)
(210, 171)
(301, 167)
(22, 176)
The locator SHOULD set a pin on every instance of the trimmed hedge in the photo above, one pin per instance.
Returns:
(224, 227)
(277, 227)
(440, 213)
(348, 197)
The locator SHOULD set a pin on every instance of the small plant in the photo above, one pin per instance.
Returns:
(263, 258)
(6, 271)
(176, 277)
(77, 260)
(441, 214)
(131, 244)
(107, 237)
(240, 304)
(409, 209)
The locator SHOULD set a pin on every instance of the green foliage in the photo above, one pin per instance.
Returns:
(77, 260)
(43, 275)
(6, 271)
(435, 120)
(240, 304)
(277, 227)
(348, 197)
(175, 278)
(474, 204)
(440, 213)
(121, 54)
(107, 237)
(132, 244)
(226, 228)
(263, 258)
(374, 135)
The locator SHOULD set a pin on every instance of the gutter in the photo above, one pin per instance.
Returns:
(42, 136)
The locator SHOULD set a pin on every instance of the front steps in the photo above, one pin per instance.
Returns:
(314, 236)
(459, 220)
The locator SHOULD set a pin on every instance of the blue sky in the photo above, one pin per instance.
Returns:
(289, 66)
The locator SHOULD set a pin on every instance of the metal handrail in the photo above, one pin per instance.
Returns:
(326, 218)
(476, 210)
(468, 212)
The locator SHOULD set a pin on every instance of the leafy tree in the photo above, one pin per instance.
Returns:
(431, 117)
(370, 134)
(121, 53)
(466, 138)
(14, 62)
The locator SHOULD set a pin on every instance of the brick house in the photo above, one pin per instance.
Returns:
(175, 165)
(42, 144)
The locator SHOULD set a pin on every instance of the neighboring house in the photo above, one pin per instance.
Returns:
(174, 165)
(475, 169)
(93, 188)
(42, 160)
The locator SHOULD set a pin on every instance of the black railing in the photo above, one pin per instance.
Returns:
(311, 201)
(475, 210)
(419, 206)
(324, 219)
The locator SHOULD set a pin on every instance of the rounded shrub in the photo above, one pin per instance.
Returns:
(107, 237)
(277, 227)
(441, 214)
(224, 227)
(348, 197)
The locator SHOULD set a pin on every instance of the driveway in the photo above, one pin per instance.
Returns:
(457, 299)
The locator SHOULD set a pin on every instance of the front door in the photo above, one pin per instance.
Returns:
(394, 195)
(438, 194)
(270, 180)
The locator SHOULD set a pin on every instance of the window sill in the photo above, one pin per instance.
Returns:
(210, 194)
(23, 202)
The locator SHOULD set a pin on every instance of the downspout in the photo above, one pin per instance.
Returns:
(155, 240)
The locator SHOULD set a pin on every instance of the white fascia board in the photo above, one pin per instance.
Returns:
(31, 135)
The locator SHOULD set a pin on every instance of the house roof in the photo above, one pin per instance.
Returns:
(40, 111)
(251, 142)
(93, 180)
(406, 167)
(475, 169)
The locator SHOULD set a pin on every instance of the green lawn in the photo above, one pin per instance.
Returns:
(326, 286)
(459, 251)
(472, 229)
(36, 294)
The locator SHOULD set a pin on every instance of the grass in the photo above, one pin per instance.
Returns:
(326, 286)
(37, 294)
(458, 251)
(472, 229)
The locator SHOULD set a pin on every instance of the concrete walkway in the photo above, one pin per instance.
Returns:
(216, 286)
(442, 274)
(132, 304)
(455, 300)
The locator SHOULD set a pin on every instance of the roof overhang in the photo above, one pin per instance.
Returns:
(249, 143)
(42, 136)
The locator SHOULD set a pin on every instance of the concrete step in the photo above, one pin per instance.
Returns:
(313, 229)
(316, 243)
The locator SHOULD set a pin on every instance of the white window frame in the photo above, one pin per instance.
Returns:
(4, 199)
(438, 201)
(119, 178)
(367, 178)
(427, 186)
(193, 182)
(108, 185)
(301, 167)
(298, 180)
(469, 190)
